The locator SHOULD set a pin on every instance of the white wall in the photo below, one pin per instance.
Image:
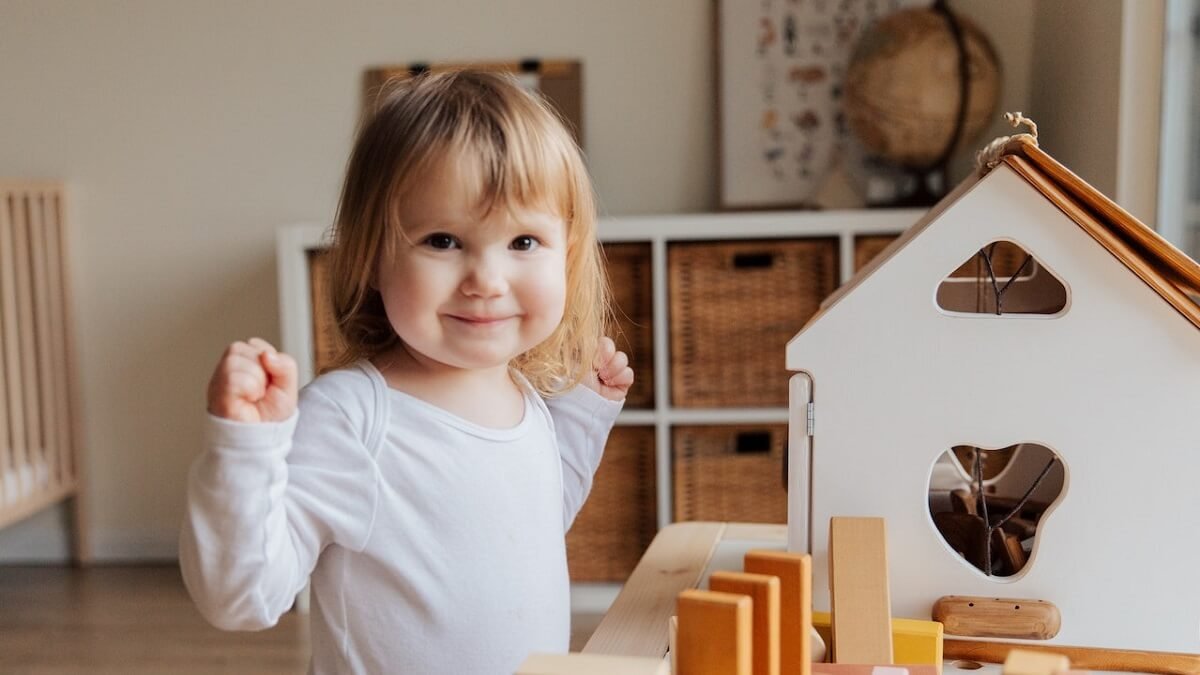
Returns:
(1096, 93)
(188, 130)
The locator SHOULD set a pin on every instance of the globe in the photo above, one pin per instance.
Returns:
(903, 89)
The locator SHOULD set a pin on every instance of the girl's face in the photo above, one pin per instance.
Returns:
(467, 291)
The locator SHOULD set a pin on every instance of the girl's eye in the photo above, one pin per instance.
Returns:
(524, 242)
(441, 241)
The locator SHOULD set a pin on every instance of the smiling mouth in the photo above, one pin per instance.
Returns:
(481, 321)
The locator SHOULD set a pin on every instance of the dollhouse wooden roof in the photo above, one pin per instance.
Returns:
(1166, 269)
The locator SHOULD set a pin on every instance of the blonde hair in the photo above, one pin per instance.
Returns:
(524, 157)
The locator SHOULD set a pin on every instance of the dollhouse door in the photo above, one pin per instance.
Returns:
(799, 461)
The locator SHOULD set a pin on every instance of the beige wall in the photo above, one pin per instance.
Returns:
(189, 130)
(1076, 85)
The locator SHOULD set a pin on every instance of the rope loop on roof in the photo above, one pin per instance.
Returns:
(990, 155)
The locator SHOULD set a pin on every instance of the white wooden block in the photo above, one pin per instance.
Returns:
(591, 664)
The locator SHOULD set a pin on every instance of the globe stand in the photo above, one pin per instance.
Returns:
(930, 188)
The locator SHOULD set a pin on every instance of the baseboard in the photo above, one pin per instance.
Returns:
(44, 540)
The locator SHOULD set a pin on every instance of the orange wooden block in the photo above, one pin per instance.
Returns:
(858, 591)
(714, 633)
(763, 590)
(795, 605)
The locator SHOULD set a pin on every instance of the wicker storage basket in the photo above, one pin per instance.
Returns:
(730, 473)
(619, 519)
(326, 340)
(630, 277)
(734, 306)
(868, 246)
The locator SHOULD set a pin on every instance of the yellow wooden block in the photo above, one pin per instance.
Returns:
(763, 590)
(914, 642)
(1025, 662)
(714, 633)
(592, 664)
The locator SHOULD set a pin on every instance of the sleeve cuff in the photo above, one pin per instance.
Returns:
(589, 402)
(234, 436)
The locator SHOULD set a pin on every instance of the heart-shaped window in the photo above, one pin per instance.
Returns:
(988, 503)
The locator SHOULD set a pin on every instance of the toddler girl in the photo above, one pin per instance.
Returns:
(426, 483)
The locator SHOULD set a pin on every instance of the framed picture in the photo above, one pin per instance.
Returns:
(561, 82)
(781, 134)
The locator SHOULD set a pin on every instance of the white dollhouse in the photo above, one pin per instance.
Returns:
(1089, 350)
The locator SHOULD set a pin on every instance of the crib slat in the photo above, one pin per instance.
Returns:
(12, 346)
(54, 291)
(25, 319)
(7, 461)
(46, 453)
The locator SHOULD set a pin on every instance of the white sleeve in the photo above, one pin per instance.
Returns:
(263, 502)
(582, 420)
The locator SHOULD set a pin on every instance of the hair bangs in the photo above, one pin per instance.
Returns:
(506, 162)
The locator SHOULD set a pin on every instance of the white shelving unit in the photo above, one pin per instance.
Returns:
(294, 241)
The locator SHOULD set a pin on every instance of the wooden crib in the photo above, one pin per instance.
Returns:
(39, 439)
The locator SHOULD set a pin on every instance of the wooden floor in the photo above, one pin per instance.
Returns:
(128, 620)
(139, 620)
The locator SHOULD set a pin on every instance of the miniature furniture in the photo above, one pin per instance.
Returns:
(39, 434)
(1093, 355)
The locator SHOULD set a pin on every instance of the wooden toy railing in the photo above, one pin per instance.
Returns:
(38, 436)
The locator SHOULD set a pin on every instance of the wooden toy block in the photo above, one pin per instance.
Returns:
(795, 605)
(867, 669)
(714, 633)
(1025, 662)
(763, 590)
(591, 664)
(974, 616)
(672, 641)
(917, 642)
(1089, 658)
(914, 642)
(858, 591)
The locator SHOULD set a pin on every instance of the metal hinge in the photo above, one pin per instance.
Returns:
(811, 416)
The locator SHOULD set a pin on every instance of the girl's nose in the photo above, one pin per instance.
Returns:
(485, 278)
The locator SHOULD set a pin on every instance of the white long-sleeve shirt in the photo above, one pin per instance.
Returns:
(434, 545)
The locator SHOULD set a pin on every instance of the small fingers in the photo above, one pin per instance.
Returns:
(614, 365)
(623, 379)
(604, 351)
(282, 369)
(246, 384)
(261, 345)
